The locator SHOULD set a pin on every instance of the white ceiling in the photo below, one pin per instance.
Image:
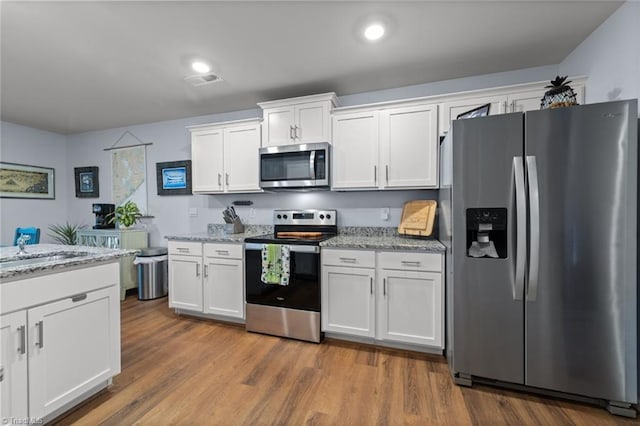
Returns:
(71, 67)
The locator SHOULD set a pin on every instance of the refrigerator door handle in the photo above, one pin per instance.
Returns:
(521, 227)
(534, 221)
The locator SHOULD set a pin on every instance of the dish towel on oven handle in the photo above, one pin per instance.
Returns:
(275, 264)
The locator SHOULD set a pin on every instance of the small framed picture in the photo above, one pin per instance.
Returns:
(481, 111)
(87, 184)
(23, 181)
(174, 177)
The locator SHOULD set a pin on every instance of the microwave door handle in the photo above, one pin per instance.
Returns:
(312, 165)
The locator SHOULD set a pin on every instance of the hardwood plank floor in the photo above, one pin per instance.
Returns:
(182, 370)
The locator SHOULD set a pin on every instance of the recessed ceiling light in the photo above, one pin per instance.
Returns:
(374, 32)
(200, 67)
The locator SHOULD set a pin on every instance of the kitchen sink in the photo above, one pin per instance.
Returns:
(40, 259)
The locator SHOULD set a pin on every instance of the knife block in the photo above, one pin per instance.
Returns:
(236, 227)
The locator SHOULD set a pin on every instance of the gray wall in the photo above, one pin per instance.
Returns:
(610, 56)
(25, 145)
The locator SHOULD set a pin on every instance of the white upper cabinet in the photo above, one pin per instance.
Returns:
(451, 109)
(305, 119)
(355, 150)
(391, 147)
(409, 146)
(224, 157)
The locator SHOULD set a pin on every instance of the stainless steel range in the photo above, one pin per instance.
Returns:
(282, 274)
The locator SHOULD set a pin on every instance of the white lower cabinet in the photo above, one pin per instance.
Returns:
(207, 278)
(53, 354)
(14, 400)
(391, 296)
(224, 280)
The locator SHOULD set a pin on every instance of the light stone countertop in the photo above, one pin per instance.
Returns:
(384, 242)
(216, 233)
(87, 256)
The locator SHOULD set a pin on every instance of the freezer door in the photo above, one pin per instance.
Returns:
(581, 303)
(488, 316)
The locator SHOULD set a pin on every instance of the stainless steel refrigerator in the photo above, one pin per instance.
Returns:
(539, 216)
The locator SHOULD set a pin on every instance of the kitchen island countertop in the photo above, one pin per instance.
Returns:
(86, 256)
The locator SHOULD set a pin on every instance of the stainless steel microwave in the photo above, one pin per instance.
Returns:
(304, 166)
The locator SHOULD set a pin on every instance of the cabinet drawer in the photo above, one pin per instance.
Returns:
(363, 259)
(410, 261)
(185, 247)
(226, 251)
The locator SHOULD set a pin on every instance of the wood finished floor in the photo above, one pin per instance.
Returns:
(181, 370)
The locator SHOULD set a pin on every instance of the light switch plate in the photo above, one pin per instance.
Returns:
(384, 213)
(193, 211)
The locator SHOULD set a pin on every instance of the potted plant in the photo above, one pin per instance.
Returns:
(66, 234)
(126, 215)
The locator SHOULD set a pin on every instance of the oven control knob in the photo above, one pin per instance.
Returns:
(328, 216)
(284, 216)
(279, 216)
(321, 216)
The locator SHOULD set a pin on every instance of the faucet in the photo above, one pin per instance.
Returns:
(21, 242)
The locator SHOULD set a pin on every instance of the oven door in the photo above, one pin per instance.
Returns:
(303, 291)
(294, 166)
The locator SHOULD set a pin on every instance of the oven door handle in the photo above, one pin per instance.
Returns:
(292, 248)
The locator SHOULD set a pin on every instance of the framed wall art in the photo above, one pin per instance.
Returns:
(87, 182)
(174, 177)
(481, 111)
(23, 181)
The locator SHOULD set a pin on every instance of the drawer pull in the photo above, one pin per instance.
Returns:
(371, 284)
(182, 249)
(348, 259)
(79, 297)
(23, 340)
(410, 263)
(40, 342)
(384, 286)
(222, 251)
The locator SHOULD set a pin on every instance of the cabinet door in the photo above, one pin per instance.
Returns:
(409, 147)
(525, 101)
(355, 150)
(348, 300)
(185, 282)
(207, 160)
(74, 345)
(224, 287)
(277, 127)
(410, 307)
(313, 122)
(241, 165)
(450, 110)
(13, 366)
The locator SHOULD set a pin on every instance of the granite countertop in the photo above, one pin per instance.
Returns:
(87, 256)
(384, 242)
(216, 233)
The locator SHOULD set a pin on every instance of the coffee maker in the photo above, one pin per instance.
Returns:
(103, 213)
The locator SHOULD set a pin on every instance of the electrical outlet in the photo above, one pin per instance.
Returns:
(252, 213)
(193, 212)
(384, 213)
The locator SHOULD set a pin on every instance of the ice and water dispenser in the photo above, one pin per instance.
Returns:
(487, 233)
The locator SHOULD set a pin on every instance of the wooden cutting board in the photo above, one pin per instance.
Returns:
(417, 218)
(301, 234)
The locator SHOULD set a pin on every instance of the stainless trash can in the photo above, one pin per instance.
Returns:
(153, 271)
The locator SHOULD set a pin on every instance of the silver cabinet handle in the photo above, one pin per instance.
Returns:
(1, 373)
(348, 259)
(410, 262)
(521, 227)
(222, 252)
(206, 271)
(387, 173)
(197, 269)
(534, 230)
(23, 340)
(226, 175)
(375, 174)
(79, 297)
(219, 179)
(291, 134)
(371, 285)
(384, 286)
(295, 132)
(40, 342)
(182, 249)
